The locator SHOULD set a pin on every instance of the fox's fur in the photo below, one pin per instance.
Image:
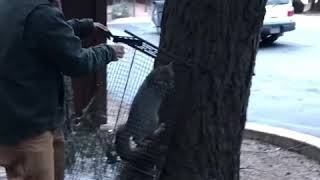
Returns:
(135, 139)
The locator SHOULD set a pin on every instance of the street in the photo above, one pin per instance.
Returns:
(286, 88)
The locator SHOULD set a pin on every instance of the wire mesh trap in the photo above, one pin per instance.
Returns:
(90, 154)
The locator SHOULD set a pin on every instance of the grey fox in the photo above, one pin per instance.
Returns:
(135, 140)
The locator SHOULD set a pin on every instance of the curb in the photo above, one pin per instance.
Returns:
(303, 144)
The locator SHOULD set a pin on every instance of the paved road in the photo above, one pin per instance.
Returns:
(286, 88)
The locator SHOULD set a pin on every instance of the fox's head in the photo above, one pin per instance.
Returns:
(162, 78)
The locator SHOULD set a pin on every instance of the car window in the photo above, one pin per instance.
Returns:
(278, 2)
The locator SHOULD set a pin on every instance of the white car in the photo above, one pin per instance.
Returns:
(278, 18)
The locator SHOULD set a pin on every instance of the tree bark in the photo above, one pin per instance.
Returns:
(213, 44)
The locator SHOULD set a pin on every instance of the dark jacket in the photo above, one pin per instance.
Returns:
(37, 46)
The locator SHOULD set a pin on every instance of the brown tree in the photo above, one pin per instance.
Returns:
(213, 44)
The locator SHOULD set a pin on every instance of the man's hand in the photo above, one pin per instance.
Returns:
(100, 29)
(119, 49)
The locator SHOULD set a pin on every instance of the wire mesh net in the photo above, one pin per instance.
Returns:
(123, 81)
(90, 154)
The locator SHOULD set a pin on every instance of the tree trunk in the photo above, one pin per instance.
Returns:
(213, 44)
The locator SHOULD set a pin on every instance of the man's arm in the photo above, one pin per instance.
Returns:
(47, 31)
(83, 28)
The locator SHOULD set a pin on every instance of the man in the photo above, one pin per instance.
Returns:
(37, 46)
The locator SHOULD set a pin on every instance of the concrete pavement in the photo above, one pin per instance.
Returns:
(286, 88)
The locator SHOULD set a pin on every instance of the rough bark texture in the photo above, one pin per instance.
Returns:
(219, 40)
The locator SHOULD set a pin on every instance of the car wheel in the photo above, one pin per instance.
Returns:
(299, 7)
(268, 40)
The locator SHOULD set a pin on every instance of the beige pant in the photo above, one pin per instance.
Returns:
(38, 158)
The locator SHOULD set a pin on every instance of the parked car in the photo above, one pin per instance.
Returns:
(277, 21)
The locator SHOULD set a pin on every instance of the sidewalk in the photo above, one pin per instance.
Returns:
(139, 11)
(263, 161)
(141, 26)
